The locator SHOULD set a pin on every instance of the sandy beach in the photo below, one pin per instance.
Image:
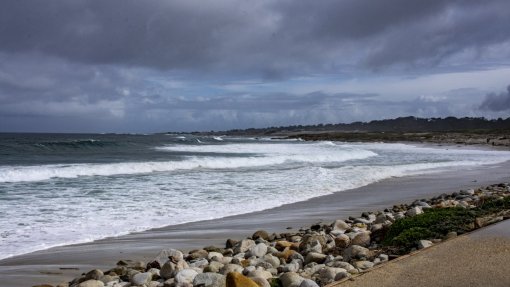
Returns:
(60, 264)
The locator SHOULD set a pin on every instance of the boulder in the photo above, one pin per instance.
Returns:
(414, 211)
(169, 269)
(308, 241)
(361, 239)
(312, 246)
(308, 283)
(258, 250)
(243, 246)
(291, 279)
(94, 274)
(198, 254)
(210, 280)
(342, 241)
(315, 257)
(185, 276)
(211, 255)
(229, 268)
(141, 279)
(260, 273)
(235, 279)
(327, 274)
(424, 244)
(260, 234)
(355, 252)
(164, 255)
(271, 259)
(341, 226)
(199, 263)
(214, 267)
(91, 283)
(363, 264)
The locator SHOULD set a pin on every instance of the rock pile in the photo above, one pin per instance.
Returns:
(311, 257)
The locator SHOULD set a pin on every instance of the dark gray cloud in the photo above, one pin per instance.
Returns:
(497, 102)
(268, 39)
(129, 65)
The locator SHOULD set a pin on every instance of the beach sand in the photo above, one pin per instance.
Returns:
(46, 266)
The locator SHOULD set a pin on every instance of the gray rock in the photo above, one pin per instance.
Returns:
(231, 268)
(210, 280)
(291, 279)
(94, 274)
(355, 252)
(424, 244)
(290, 267)
(327, 274)
(383, 257)
(211, 255)
(164, 254)
(342, 241)
(243, 246)
(260, 273)
(91, 283)
(308, 283)
(258, 250)
(108, 278)
(340, 225)
(361, 239)
(169, 269)
(363, 264)
(260, 234)
(312, 246)
(199, 263)
(141, 279)
(185, 276)
(341, 275)
(413, 211)
(214, 267)
(315, 257)
(343, 265)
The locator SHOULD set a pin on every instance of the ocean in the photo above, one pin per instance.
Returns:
(60, 189)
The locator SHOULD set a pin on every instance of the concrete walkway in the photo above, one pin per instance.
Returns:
(481, 258)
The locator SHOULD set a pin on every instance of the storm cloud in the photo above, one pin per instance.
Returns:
(127, 65)
(497, 102)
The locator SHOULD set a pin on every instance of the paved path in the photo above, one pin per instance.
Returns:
(481, 258)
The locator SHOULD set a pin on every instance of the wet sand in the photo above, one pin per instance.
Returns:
(45, 266)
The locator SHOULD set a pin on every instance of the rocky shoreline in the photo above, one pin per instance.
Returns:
(318, 255)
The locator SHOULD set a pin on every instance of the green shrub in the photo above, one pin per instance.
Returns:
(432, 223)
(409, 237)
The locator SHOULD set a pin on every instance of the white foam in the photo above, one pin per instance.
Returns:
(61, 212)
(263, 155)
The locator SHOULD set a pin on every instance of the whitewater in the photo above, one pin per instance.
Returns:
(65, 189)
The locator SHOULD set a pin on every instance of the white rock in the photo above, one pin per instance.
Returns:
(424, 244)
(414, 211)
(185, 276)
(258, 250)
(210, 280)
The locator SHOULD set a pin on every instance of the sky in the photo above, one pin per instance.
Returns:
(164, 65)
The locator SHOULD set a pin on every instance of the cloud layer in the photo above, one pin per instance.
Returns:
(145, 65)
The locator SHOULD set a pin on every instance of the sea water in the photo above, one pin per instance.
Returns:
(59, 189)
